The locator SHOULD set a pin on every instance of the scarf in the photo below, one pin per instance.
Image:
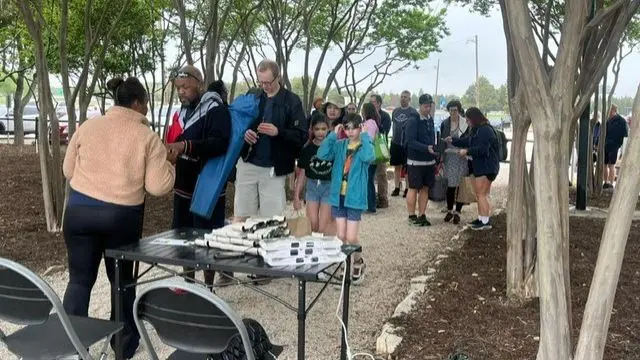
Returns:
(180, 122)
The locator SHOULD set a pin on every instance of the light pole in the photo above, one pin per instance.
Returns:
(475, 40)
(435, 95)
(584, 144)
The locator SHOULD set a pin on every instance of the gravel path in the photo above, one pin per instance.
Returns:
(394, 253)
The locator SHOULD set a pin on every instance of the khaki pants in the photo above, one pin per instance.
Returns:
(258, 191)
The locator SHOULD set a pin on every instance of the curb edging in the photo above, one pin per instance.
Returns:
(389, 340)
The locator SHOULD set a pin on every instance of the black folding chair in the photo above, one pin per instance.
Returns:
(188, 318)
(26, 299)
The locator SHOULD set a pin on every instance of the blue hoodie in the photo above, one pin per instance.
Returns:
(335, 150)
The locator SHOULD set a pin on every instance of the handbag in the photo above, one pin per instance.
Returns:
(438, 192)
(466, 194)
(381, 149)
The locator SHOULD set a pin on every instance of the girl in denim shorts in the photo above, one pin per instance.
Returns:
(315, 175)
(348, 195)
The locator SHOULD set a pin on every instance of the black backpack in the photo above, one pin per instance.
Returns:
(502, 144)
(262, 347)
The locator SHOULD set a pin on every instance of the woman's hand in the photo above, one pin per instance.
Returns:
(338, 129)
(297, 204)
(463, 152)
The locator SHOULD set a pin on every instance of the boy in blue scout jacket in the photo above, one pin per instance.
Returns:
(351, 159)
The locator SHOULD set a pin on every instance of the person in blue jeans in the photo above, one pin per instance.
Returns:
(315, 175)
(351, 158)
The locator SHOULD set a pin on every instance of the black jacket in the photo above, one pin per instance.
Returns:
(419, 135)
(293, 130)
(482, 145)
(616, 132)
(206, 139)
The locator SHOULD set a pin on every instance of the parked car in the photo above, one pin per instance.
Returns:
(63, 122)
(7, 125)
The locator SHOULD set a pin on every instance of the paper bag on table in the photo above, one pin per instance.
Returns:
(299, 224)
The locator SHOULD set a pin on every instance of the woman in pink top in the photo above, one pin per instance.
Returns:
(371, 126)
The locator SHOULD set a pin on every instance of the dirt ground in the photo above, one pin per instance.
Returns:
(601, 201)
(23, 235)
(466, 312)
(395, 252)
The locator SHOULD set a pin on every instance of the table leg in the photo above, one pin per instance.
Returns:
(302, 317)
(118, 297)
(345, 308)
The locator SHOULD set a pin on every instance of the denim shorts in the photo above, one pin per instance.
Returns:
(318, 191)
(345, 212)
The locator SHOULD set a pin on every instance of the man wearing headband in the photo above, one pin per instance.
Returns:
(272, 144)
(201, 130)
(421, 161)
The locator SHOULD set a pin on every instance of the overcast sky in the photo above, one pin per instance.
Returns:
(457, 59)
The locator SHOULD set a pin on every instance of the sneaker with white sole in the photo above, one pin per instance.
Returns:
(478, 225)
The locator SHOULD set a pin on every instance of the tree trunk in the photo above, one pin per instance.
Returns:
(521, 228)
(517, 206)
(50, 162)
(530, 245)
(184, 31)
(19, 100)
(550, 173)
(383, 186)
(236, 68)
(597, 315)
(592, 165)
(602, 139)
(18, 110)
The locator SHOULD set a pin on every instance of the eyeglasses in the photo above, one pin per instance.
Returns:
(267, 83)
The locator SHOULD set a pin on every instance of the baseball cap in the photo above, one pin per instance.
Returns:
(337, 100)
(425, 99)
(189, 71)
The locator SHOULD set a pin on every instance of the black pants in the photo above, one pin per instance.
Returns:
(88, 231)
(371, 188)
(451, 199)
(183, 217)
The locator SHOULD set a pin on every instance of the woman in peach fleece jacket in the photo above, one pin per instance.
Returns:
(111, 162)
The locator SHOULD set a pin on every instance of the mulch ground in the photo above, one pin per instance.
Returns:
(601, 201)
(23, 230)
(466, 312)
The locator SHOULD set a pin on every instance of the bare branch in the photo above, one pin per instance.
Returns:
(11, 74)
(602, 15)
(608, 41)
